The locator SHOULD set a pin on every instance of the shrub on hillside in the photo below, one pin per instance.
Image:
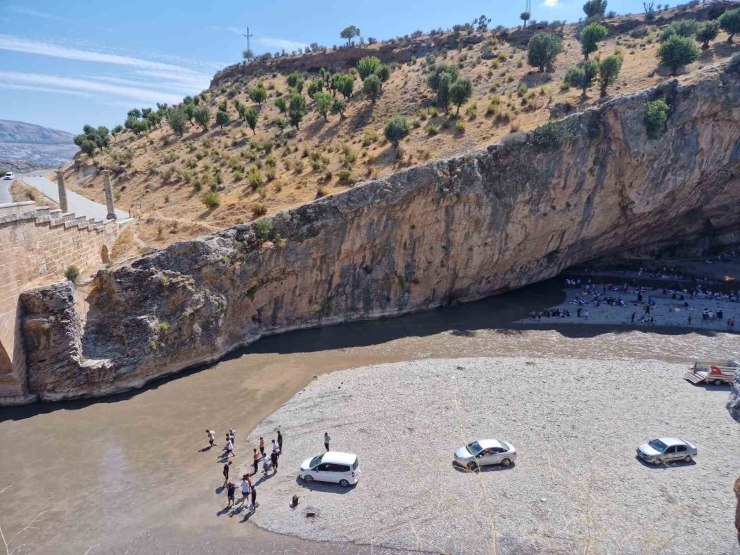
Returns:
(656, 115)
(263, 229)
(707, 32)
(396, 129)
(730, 23)
(609, 69)
(72, 273)
(542, 50)
(590, 37)
(677, 52)
(212, 200)
(582, 76)
(682, 28)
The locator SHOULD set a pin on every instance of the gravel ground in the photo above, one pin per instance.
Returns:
(576, 487)
(664, 313)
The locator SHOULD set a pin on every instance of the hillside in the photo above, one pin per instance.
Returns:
(164, 178)
(24, 146)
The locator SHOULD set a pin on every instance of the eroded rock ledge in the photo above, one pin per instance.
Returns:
(586, 186)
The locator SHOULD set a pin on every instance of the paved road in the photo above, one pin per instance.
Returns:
(78, 204)
(5, 191)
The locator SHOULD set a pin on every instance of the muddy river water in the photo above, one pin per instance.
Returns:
(127, 474)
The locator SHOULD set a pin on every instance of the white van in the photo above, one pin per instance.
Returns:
(9, 175)
(332, 466)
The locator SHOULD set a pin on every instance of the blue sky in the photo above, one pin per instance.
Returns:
(63, 65)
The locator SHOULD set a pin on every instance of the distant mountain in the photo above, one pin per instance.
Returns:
(35, 145)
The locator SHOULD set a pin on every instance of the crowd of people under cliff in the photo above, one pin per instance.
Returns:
(611, 295)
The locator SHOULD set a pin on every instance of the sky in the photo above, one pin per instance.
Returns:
(67, 64)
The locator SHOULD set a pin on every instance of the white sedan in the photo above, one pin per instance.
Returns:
(485, 452)
(666, 449)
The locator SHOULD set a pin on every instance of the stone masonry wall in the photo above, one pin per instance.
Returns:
(36, 246)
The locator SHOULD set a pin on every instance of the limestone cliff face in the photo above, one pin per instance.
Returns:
(587, 186)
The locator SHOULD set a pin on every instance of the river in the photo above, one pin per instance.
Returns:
(127, 474)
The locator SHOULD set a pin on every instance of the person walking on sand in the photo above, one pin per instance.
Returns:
(226, 473)
(633, 317)
(262, 445)
(274, 460)
(280, 440)
(232, 435)
(327, 440)
(275, 447)
(246, 486)
(265, 462)
(585, 314)
(254, 498)
(689, 320)
(231, 489)
(211, 437)
(230, 448)
(256, 463)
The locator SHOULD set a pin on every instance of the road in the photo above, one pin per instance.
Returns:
(78, 204)
(5, 191)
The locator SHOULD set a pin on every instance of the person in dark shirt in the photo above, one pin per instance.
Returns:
(231, 488)
(280, 440)
(226, 473)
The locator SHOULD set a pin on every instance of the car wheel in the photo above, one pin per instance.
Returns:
(717, 382)
(687, 458)
(656, 462)
(343, 483)
(506, 462)
(472, 465)
(308, 478)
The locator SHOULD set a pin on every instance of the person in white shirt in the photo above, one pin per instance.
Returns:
(211, 437)
(246, 486)
(229, 447)
(275, 447)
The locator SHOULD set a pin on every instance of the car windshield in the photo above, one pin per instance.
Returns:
(316, 460)
(658, 445)
(474, 448)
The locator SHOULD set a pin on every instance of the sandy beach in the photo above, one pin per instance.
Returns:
(576, 425)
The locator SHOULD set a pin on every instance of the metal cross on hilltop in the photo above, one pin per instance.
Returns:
(249, 36)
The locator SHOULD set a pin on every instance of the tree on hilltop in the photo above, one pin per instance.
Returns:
(348, 33)
(595, 8)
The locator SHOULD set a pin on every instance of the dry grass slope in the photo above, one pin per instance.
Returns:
(164, 178)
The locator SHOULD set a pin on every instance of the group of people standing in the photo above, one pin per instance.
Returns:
(248, 489)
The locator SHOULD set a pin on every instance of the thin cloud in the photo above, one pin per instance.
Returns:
(35, 13)
(15, 44)
(143, 95)
(42, 89)
(134, 83)
(190, 82)
(552, 3)
(280, 44)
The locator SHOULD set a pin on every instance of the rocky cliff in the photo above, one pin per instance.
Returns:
(586, 186)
